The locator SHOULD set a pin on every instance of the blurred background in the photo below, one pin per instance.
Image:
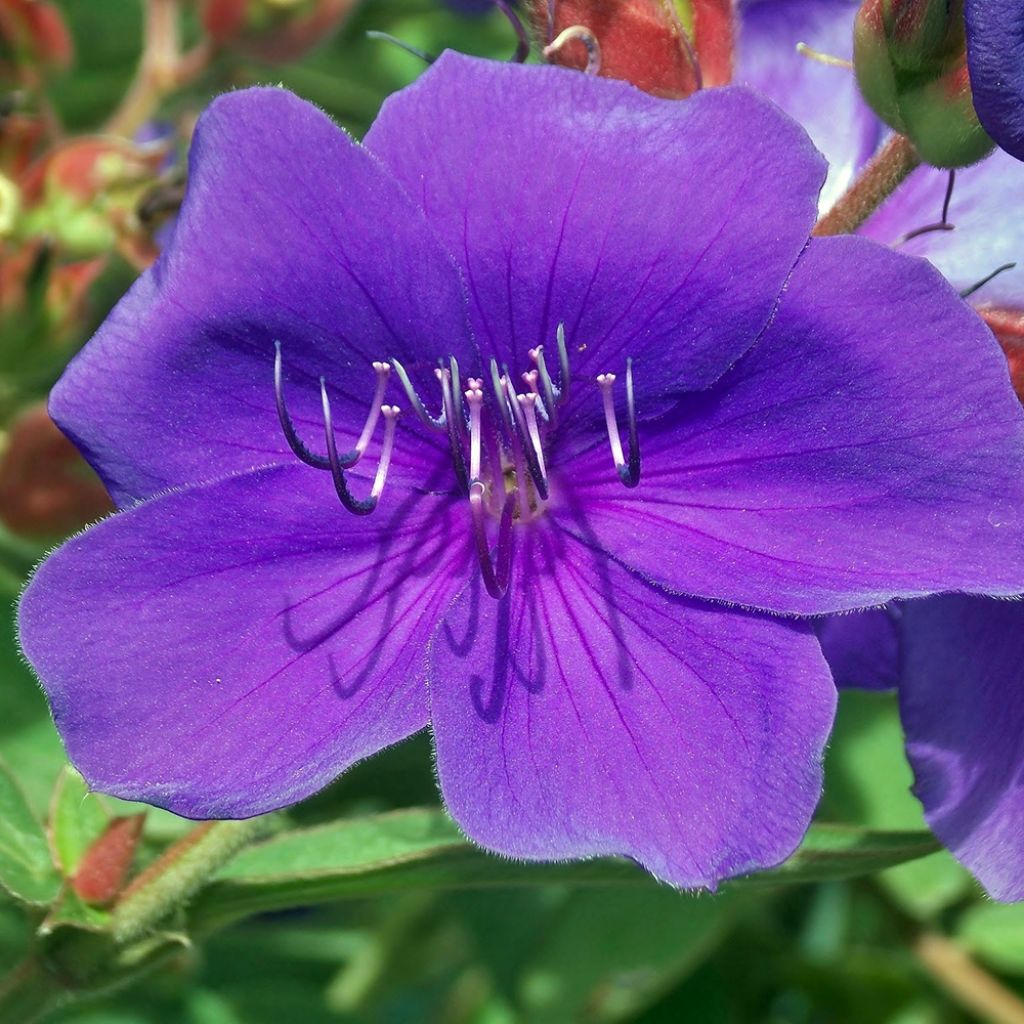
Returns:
(97, 101)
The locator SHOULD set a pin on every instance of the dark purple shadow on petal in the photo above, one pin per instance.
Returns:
(862, 648)
(228, 649)
(589, 713)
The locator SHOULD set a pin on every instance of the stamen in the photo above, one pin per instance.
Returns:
(551, 395)
(475, 401)
(529, 404)
(985, 280)
(523, 38)
(499, 394)
(629, 473)
(823, 58)
(525, 441)
(495, 578)
(419, 408)
(563, 363)
(530, 379)
(383, 371)
(586, 37)
(358, 506)
(391, 414)
(454, 424)
(291, 435)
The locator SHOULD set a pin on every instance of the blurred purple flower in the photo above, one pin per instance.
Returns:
(995, 59)
(235, 638)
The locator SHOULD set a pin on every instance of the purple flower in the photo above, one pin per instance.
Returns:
(955, 659)
(780, 428)
(995, 59)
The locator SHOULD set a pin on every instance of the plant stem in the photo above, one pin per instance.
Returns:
(162, 67)
(167, 883)
(971, 986)
(884, 173)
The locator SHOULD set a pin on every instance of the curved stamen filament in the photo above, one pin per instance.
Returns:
(495, 577)
(300, 450)
(358, 506)
(550, 392)
(629, 472)
(438, 423)
(586, 37)
(563, 363)
(291, 435)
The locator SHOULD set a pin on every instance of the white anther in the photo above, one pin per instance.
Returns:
(474, 383)
(391, 414)
(383, 371)
(605, 382)
(529, 407)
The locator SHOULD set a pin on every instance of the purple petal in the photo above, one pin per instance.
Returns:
(869, 446)
(639, 223)
(962, 703)
(985, 235)
(863, 648)
(227, 649)
(995, 59)
(843, 127)
(589, 713)
(290, 232)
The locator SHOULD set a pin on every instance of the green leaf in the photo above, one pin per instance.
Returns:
(868, 781)
(995, 933)
(422, 849)
(71, 911)
(77, 820)
(26, 870)
(608, 954)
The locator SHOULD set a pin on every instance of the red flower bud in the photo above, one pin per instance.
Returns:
(35, 32)
(46, 489)
(639, 41)
(275, 32)
(104, 868)
(1008, 327)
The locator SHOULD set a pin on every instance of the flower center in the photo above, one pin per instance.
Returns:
(498, 439)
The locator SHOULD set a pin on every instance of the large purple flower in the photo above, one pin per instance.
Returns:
(544, 264)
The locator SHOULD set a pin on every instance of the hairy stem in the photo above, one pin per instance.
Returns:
(884, 173)
(168, 883)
